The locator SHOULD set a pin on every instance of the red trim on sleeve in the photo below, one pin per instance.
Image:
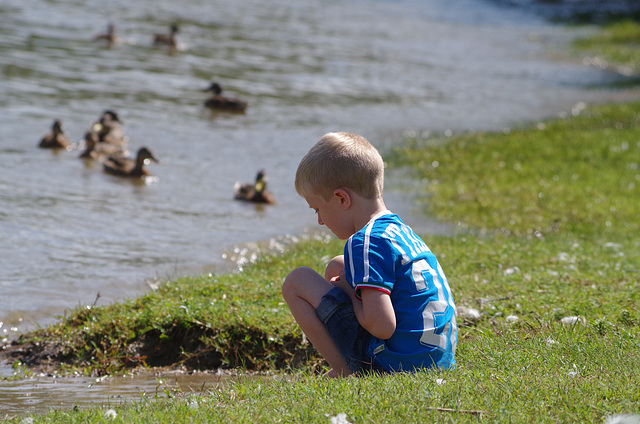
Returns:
(366, 286)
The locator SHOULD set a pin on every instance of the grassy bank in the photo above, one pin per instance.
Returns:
(618, 45)
(545, 269)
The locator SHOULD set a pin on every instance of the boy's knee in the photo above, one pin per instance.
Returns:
(335, 268)
(292, 281)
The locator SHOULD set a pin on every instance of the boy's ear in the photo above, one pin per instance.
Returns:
(344, 197)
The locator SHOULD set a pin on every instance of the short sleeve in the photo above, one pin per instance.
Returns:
(372, 264)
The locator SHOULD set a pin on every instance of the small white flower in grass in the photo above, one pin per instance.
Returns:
(550, 341)
(440, 381)
(469, 313)
(574, 372)
(341, 418)
(511, 271)
(512, 318)
(572, 320)
(623, 419)
(110, 413)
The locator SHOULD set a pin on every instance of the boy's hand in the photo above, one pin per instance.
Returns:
(344, 285)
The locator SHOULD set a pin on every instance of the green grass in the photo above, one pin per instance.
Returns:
(548, 219)
(576, 176)
(618, 43)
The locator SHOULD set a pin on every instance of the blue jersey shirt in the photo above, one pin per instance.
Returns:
(387, 255)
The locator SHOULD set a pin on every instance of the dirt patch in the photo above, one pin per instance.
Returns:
(195, 348)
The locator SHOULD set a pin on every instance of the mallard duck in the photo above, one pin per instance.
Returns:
(56, 138)
(129, 167)
(220, 102)
(256, 192)
(109, 36)
(167, 39)
(100, 151)
(109, 129)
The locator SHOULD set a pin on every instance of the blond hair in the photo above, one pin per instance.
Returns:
(341, 160)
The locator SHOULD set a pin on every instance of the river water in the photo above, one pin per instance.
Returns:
(71, 235)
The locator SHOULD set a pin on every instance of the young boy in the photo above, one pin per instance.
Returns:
(385, 305)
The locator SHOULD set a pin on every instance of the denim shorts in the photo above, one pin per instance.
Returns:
(336, 313)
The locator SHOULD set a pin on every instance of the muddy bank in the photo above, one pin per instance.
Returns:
(195, 349)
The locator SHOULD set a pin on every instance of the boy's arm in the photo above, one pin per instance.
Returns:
(374, 312)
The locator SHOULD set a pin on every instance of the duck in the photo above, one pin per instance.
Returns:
(256, 192)
(100, 151)
(108, 129)
(56, 139)
(109, 36)
(219, 102)
(129, 167)
(167, 39)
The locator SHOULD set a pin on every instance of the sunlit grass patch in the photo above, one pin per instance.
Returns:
(578, 175)
(618, 44)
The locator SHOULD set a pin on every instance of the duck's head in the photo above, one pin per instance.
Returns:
(145, 155)
(57, 126)
(261, 181)
(215, 88)
(109, 116)
(174, 28)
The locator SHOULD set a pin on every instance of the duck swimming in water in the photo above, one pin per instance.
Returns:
(256, 192)
(109, 36)
(219, 102)
(129, 167)
(167, 39)
(109, 129)
(100, 151)
(56, 138)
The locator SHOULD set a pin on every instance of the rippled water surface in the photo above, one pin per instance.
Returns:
(39, 394)
(69, 232)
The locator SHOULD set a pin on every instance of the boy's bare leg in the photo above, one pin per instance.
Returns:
(302, 290)
(335, 269)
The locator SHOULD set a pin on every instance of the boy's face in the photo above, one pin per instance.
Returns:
(332, 213)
